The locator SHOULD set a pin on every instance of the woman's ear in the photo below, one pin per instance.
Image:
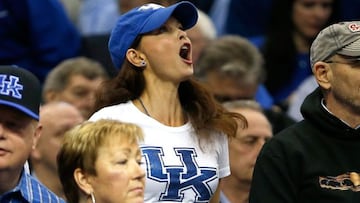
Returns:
(136, 58)
(83, 180)
(323, 74)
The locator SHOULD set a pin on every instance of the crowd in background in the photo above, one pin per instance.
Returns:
(253, 56)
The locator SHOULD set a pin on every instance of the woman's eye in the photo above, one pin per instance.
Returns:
(163, 29)
(122, 162)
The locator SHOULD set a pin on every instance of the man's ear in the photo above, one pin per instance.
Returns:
(37, 133)
(35, 153)
(50, 96)
(83, 180)
(323, 74)
(136, 58)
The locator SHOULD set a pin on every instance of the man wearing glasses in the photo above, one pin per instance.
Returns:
(316, 160)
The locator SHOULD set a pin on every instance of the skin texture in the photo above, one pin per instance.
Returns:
(55, 119)
(119, 178)
(79, 92)
(243, 152)
(341, 85)
(18, 137)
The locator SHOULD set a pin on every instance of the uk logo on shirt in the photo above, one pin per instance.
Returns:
(179, 178)
(9, 86)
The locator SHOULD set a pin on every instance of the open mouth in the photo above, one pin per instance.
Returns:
(185, 51)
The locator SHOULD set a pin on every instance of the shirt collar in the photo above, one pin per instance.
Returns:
(323, 105)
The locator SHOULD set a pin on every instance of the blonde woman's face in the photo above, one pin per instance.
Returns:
(120, 178)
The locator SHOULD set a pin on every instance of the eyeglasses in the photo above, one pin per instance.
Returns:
(353, 62)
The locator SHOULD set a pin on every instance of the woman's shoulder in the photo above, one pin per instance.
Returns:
(111, 112)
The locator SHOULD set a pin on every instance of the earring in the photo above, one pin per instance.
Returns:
(143, 63)
(92, 197)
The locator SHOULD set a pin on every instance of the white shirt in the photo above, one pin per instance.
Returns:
(177, 170)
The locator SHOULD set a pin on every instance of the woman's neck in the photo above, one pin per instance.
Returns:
(167, 111)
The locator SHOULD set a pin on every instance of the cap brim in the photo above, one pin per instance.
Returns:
(184, 12)
(20, 108)
(352, 49)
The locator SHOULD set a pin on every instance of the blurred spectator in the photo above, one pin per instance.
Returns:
(201, 34)
(292, 27)
(243, 150)
(75, 81)
(231, 67)
(36, 35)
(55, 119)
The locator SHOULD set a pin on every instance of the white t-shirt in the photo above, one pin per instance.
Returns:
(177, 170)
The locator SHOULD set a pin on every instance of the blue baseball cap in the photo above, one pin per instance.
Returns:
(20, 89)
(145, 19)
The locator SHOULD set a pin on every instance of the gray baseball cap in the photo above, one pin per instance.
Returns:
(340, 38)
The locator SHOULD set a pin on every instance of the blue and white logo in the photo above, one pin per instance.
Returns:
(188, 176)
(10, 86)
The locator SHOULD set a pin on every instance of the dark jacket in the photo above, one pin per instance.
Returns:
(309, 162)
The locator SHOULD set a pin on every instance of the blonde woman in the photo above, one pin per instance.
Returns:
(100, 162)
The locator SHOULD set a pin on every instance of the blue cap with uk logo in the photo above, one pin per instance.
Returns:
(145, 19)
(20, 89)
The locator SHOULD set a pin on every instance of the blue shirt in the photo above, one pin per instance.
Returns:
(29, 190)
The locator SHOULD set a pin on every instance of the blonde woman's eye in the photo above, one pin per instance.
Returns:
(122, 162)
